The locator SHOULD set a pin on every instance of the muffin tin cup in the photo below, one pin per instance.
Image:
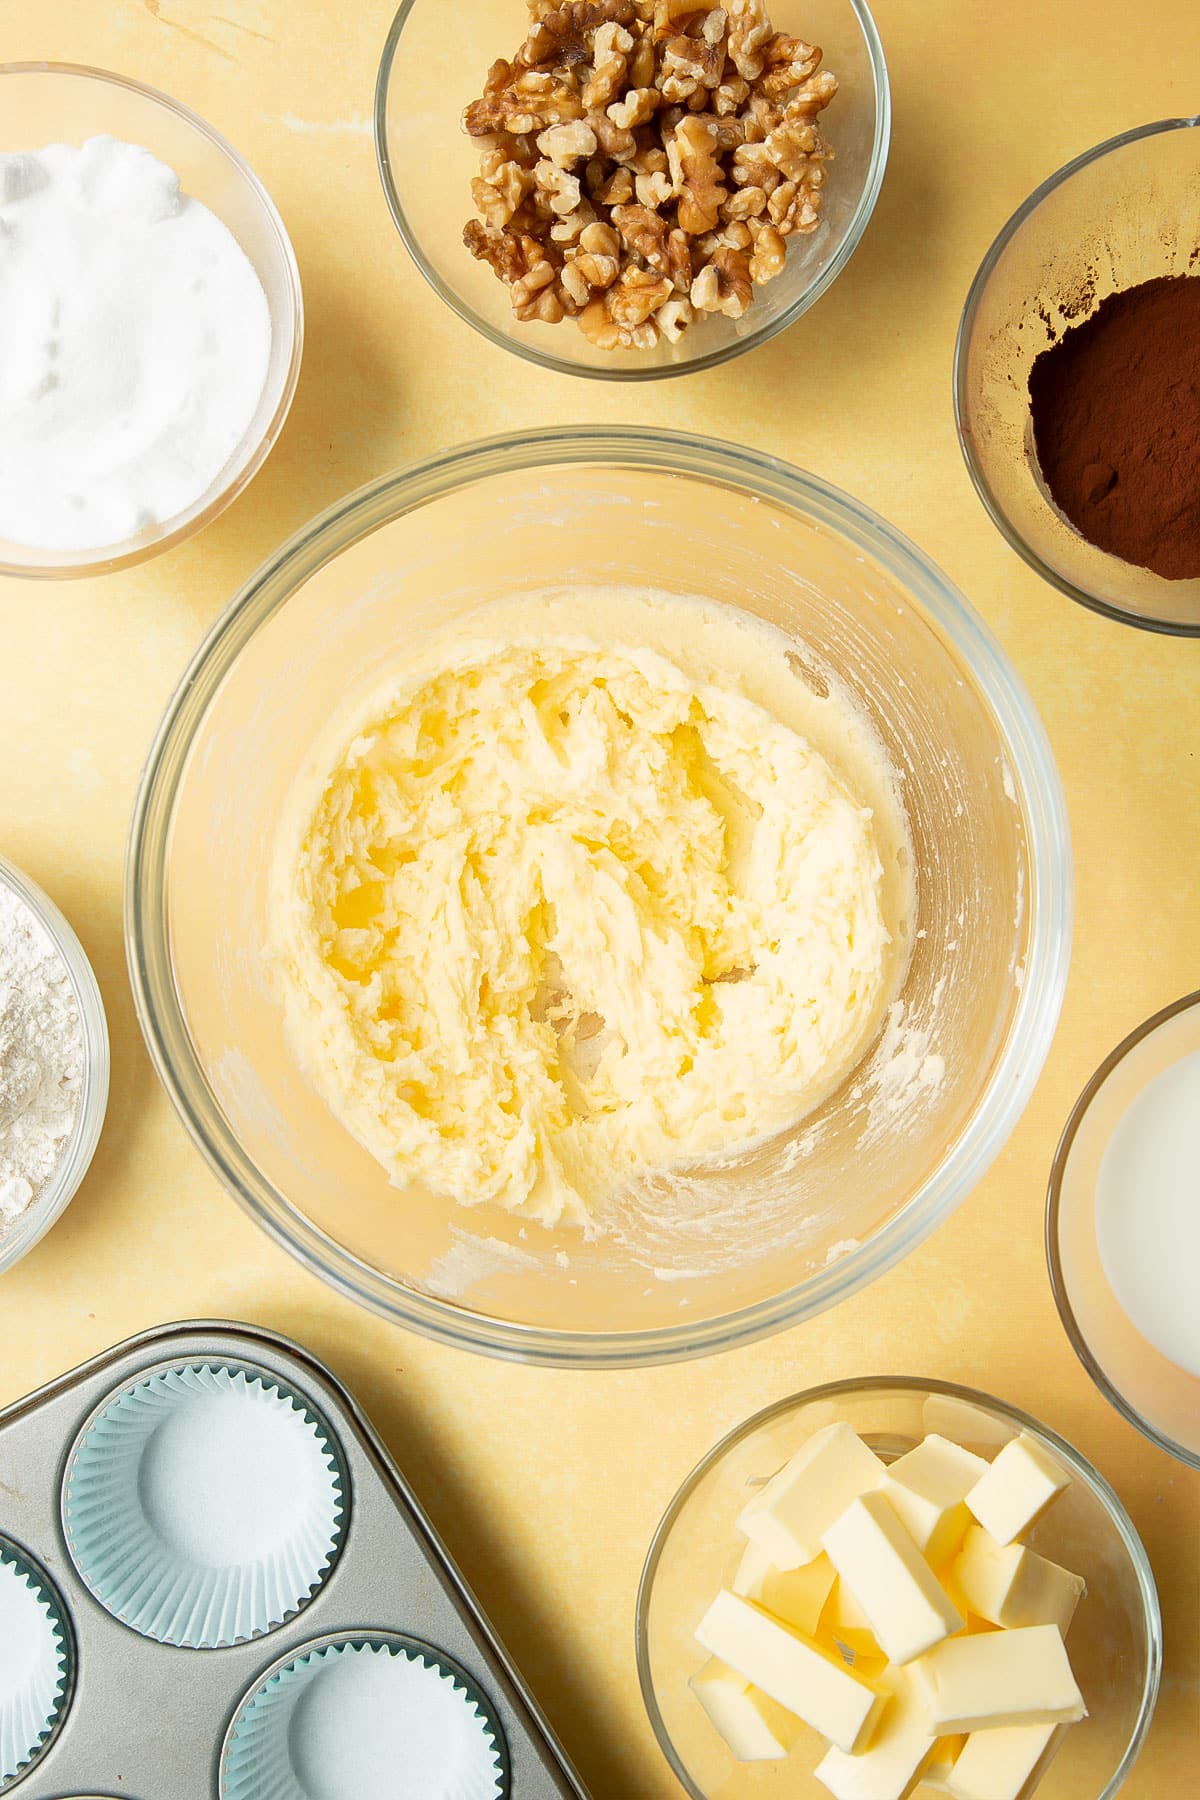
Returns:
(135, 1715)
(375, 1714)
(205, 1505)
(35, 1662)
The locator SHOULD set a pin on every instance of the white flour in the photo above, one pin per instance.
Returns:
(134, 347)
(41, 1057)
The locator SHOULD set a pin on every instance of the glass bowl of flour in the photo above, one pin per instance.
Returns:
(153, 321)
(487, 874)
(54, 1064)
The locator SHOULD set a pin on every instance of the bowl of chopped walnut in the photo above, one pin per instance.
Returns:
(630, 189)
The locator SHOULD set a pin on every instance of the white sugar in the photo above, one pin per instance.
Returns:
(134, 350)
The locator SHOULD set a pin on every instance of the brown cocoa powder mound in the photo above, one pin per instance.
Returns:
(1116, 425)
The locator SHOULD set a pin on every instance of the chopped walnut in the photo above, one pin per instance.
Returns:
(770, 254)
(745, 203)
(644, 162)
(567, 144)
(641, 65)
(562, 190)
(724, 285)
(520, 103)
(666, 14)
(499, 193)
(639, 105)
(692, 152)
(564, 36)
(692, 66)
(611, 48)
(788, 63)
(618, 190)
(732, 94)
(615, 141)
(673, 317)
(571, 229)
(598, 325)
(637, 295)
(749, 34)
(644, 232)
(654, 190)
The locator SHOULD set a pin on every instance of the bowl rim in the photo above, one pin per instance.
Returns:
(962, 346)
(87, 563)
(924, 1386)
(32, 1225)
(1028, 753)
(1058, 1280)
(562, 365)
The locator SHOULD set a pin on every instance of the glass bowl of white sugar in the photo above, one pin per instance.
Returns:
(53, 1064)
(153, 321)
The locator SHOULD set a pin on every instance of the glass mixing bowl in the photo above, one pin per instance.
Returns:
(1115, 1641)
(44, 103)
(429, 74)
(1120, 214)
(777, 1233)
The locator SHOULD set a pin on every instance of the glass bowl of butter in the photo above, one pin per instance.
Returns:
(950, 1595)
(599, 897)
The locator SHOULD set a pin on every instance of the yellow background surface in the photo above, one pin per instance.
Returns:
(548, 1485)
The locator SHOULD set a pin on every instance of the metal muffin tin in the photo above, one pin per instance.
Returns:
(150, 1721)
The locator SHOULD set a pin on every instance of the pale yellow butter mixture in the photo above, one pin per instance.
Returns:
(559, 913)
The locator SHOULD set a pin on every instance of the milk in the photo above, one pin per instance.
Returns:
(1148, 1212)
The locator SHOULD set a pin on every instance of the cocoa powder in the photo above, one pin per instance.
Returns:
(1116, 425)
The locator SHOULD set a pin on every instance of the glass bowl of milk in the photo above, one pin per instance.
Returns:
(1123, 1228)
(152, 321)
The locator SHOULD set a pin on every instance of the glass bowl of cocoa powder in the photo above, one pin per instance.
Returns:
(1077, 379)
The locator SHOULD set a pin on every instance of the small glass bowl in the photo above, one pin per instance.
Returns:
(1156, 1396)
(1122, 213)
(429, 74)
(43, 103)
(20, 1237)
(1115, 1642)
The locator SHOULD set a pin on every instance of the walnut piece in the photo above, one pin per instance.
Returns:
(644, 162)
(692, 155)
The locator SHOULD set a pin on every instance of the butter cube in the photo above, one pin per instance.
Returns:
(1010, 1585)
(889, 1769)
(788, 1516)
(996, 1678)
(939, 1767)
(1018, 1486)
(845, 1621)
(792, 1670)
(928, 1489)
(794, 1595)
(906, 1607)
(843, 1628)
(754, 1727)
(1000, 1765)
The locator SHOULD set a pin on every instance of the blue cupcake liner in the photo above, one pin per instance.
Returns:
(205, 1505)
(35, 1662)
(373, 1714)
